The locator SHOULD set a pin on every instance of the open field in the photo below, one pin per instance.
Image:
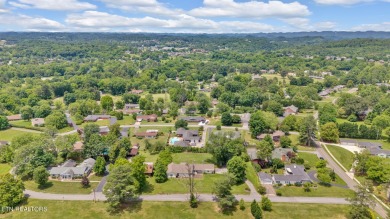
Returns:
(345, 157)
(9, 134)
(4, 168)
(319, 191)
(251, 175)
(170, 210)
(61, 187)
(202, 185)
(191, 157)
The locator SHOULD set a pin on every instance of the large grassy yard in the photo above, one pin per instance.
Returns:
(61, 187)
(170, 210)
(191, 157)
(319, 191)
(345, 157)
(251, 175)
(4, 168)
(309, 158)
(9, 134)
(202, 185)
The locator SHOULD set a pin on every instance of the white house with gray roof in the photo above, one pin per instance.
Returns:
(68, 170)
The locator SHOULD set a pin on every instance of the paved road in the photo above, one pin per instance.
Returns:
(184, 197)
(343, 175)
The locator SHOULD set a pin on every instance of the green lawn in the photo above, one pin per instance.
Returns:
(9, 134)
(165, 96)
(93, 177)
(170, 210)
(202, 185)
(127, 120)
(251, 175)
(295, 141)
(4, 168)
(66, 129)
(23, 123)
(345, 157)
(103, 122)
(191, 157)
(309, 158)
(319, 191)
(61, 187)
(339, 121)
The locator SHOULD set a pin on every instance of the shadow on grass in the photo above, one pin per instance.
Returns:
(149, 188)
(45, 186)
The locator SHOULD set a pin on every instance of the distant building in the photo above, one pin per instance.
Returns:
(193, 119)
(293, 174)
(94, 118)
(184, 170)
(138, 92)
(78, 146)
(282, 154)
(149, 118)
(148, 135)
(290, 110)
(14, 117)
(190, 136)
(37, 122)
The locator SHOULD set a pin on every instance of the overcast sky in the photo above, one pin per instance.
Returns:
(194, 16)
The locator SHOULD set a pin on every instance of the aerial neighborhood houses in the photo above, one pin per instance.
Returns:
(149, 134)
(148, 118)
(328, 91)
(69, 170)
(184, 170)
(373, 148)
(293, 174)
(94, 118)
(290, 110)
(276, 135)
(193, 119)
(131, 108)
(14, 117)
(187, 137)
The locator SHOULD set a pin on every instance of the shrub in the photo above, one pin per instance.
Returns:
(278, 193)
(242, 205)
(262, 190)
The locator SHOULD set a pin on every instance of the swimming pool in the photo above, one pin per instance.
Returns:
(173, 140)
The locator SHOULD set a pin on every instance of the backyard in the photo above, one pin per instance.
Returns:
(202, 185)
(58, 187)
(9, 134)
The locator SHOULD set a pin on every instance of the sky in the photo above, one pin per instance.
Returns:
(194, 16)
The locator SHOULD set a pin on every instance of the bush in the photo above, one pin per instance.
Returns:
(257, 167)
(278, 193)
(352, 118)
(266, 204)
(85, 182)
(218, 127)
(242, 205)
(262, 190)
(307, 166)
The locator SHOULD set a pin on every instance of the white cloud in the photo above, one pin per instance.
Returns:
(25, 22)
(304, 24)
(344, 2)
(60, 5)
(385, 26)
(2, 6)
(251, 9)
(103, 21)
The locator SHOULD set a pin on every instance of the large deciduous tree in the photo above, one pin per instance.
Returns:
(236, 166)
(330, 132)
(11, 191)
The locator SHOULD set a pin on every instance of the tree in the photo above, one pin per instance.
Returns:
(327, 113)
(330, 132)
(323, 176)
(138, 171)
(3, 123)
(193, 201)
(236, 166)
(226, 119)
(181, 124)
(11, 191)
(381, 121)
(307, 130)
(41, 175)
(100, 166)
(256, 210)
(224, 148)
(120, 187)
(85, 182)
(360, 203)
(27, 113)
(266, 204)
(257, 124)
(107, 103)
(57, 120)
(225, 198)
(264, 150)
(242, 204)
(90, 129)
(203, 104)
(236, 119)
(160, 172)
(285, 142)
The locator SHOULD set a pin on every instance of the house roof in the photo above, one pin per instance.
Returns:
(69, 163)
(14, 117)
(265, 177)
(152, 116)
(252, 152)
(104, 129)
(133, 151)
(136, 91)
(149, 167)
(370, 145)
(37, 121)
(292, 107)
(131, 106)
(193, 118)
(96, 117)
(375, 151)
(181, 144)
(78, 145)
(278, 133)
(295, 169)
(290, 178)
(68, 170)
(90, 162)
(4, 143)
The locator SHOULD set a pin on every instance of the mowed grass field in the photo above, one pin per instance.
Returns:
(4, 168)
(9, 134)
(345, 157)
(171, 210)
(319, 191)
(204, 184)
(58, 187)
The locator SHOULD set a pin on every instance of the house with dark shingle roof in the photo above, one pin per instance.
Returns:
(190, 136)
(193, 119)
(293, 174)
(183, 170)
